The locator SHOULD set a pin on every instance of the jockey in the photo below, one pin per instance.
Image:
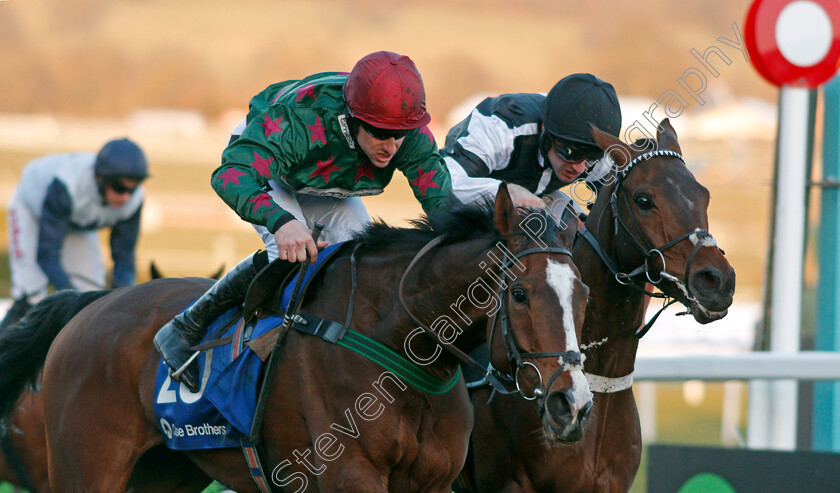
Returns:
(53, 218)
(306, 152)
(536, 144)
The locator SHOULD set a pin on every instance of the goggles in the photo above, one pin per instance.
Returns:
(117, 186)
(575, 153)
(384, 133)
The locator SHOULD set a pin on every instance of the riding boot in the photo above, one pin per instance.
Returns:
(16, 312)
(175, 339)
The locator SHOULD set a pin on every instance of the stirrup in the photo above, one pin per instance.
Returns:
(194, 382)
(176, 374)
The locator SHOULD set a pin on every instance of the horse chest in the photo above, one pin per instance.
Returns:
(434, 447)
(612, 454)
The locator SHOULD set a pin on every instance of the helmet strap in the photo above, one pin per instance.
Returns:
(544, 143)
(353, 124)
(100, 185)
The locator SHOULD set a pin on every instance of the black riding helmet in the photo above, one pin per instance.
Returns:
(574, 103)
(121, 158)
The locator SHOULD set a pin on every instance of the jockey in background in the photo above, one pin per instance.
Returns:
(306, 152)
(536, 144)
(54, 216)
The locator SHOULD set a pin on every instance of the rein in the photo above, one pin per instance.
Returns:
(500, 381)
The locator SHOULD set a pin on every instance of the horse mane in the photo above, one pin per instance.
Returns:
(455, 223)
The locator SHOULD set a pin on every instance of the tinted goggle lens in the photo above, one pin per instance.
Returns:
(119, 188)
(384, 133)
(576, 152)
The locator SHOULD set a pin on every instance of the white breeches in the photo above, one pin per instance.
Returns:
(81, 257)
(341, 217)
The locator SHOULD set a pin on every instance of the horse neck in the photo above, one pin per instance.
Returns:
(437, 294)
(614, 310)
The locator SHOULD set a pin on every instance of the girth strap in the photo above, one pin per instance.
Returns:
(255, 465)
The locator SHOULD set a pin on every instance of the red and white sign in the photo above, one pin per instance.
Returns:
(794, 42)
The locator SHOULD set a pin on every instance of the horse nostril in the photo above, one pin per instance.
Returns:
(730, 280)
(559, 405)
(707, 280)
(584, 412)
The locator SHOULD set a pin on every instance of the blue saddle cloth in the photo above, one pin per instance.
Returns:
(219, 415)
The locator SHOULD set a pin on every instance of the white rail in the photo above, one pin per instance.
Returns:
(804, 365)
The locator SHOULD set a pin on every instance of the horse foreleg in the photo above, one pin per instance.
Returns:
(90, 451)
(161, 470)
(356, 475)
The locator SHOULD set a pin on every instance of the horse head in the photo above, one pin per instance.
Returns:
(534, 335)
(660, 224)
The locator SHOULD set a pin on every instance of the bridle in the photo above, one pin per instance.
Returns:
(502, 382)
(698, 237)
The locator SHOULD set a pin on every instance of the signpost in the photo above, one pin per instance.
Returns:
(794, 45)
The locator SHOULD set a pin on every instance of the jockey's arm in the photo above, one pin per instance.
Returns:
(425, 171)
(54, 224)
(123, 242)
(252, 159)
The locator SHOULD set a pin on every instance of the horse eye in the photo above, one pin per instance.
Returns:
(643, 201)
(519, 295)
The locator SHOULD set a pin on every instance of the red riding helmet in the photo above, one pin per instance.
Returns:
(385, 90)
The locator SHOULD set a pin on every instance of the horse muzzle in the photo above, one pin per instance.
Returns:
(713, 290)
(565, 413)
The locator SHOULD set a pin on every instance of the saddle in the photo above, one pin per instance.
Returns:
(269, 294)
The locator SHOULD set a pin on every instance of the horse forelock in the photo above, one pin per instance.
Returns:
(455, 224)
(645, 145)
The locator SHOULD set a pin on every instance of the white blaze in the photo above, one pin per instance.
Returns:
(561, 278)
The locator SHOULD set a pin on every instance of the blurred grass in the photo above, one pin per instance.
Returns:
(681, 423)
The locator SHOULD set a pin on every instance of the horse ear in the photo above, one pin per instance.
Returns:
(568, 227)
(619, 152)
(666, 137)
(506, 215)
(218, 274)
(154, 272)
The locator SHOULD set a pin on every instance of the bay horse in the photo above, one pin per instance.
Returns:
(654, 212)
(23, 446)
(98, 375)
(23, 442)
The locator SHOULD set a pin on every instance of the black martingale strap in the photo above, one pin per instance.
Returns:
(354, 283)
